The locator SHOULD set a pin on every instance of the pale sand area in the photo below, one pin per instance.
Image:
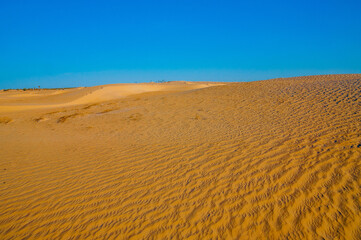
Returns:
(274, 159)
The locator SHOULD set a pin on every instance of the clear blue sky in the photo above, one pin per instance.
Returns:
(74, 43)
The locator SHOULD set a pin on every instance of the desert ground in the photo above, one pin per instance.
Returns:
(273, 159)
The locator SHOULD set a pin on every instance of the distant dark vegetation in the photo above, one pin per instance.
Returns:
(161, 81)
(38, 88)
(35, 89)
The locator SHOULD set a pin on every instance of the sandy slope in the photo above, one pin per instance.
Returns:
(275, 159)
(13, 100)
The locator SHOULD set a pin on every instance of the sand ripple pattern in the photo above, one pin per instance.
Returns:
(276, 159)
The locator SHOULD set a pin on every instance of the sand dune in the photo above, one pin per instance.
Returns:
(35, 99)
(274, 159)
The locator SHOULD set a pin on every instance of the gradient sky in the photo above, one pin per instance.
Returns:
(84, 43)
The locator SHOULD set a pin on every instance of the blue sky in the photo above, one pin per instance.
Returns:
(84, 43)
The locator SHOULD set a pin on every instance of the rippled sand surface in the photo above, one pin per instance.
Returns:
(275, 159)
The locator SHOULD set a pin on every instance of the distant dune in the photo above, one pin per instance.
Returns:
(15, 100)
(273, 159)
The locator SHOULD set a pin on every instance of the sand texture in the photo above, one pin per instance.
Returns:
(274, 159)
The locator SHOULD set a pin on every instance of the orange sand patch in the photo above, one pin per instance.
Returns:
(275, 159)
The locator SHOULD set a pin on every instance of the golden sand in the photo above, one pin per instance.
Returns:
(275, 159)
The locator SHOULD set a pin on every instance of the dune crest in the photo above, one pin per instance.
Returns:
(274, 159)
(41, 99)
